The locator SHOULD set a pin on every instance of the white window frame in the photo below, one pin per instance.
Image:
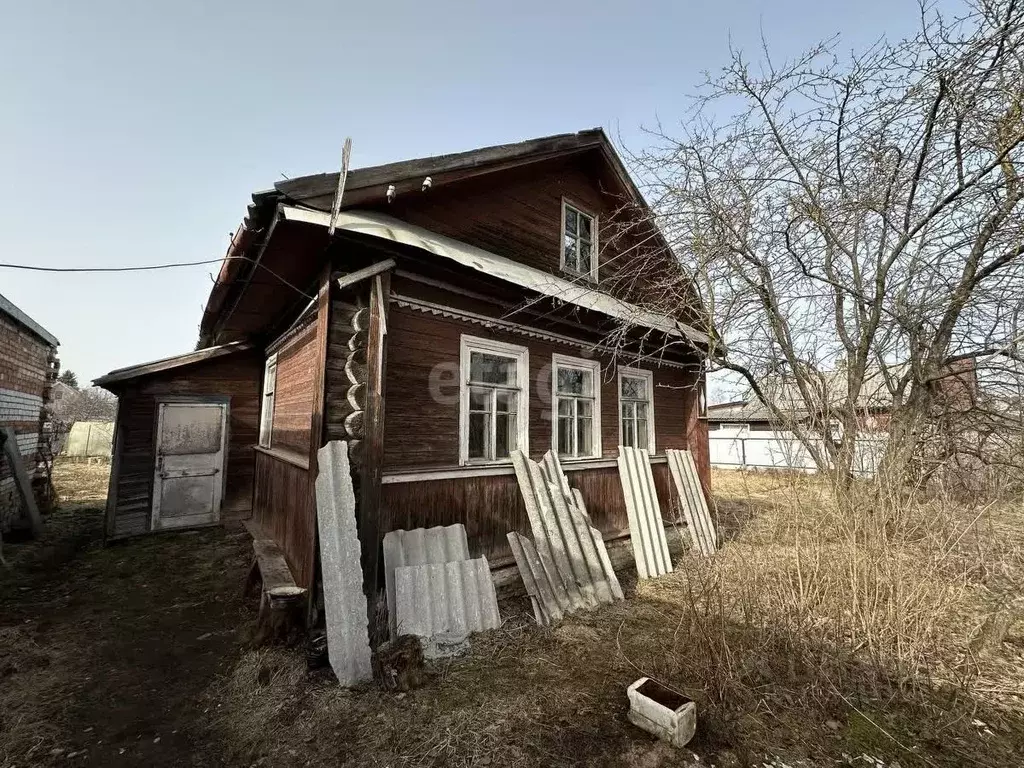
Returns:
(579, 363)
(469, 344)
(592, 275)
(638, 373)
(267, 401)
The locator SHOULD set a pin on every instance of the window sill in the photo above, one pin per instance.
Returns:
(587, 276)
(294, 458)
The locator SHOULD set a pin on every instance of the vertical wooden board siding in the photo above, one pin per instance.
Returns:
(293, 394)
(283, 506)
(490, 507)
(237, 377)
(422, 391)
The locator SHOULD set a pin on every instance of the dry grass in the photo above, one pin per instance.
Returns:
(78, 482)
(875, 626)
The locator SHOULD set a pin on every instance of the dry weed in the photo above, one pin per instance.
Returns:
(869, 614)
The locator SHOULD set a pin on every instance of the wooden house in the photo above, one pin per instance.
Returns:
(464, 306)
(28, 369)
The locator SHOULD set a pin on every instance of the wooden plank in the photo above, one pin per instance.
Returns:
(21, 479)
(344, 281)
(115, 475)
(277, 577)
(316, 432)
(373, 456)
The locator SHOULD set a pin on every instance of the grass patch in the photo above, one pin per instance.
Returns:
(816, 632)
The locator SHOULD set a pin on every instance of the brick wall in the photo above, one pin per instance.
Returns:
(24, 387)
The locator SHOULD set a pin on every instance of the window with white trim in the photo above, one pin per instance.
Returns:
(576, 396)
(579, 242)
(267, 405)
(493, 412)
(636, 408)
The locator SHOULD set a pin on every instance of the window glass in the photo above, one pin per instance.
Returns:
(575, 387)
(578, 247)
(635, 410)
(491, 400)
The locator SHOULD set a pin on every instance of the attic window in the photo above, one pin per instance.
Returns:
(579, 242)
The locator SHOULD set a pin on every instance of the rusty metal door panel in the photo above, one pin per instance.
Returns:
(189, 479)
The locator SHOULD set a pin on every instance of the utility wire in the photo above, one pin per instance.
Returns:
(150, 267)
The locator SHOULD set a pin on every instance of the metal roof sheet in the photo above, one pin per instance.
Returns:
(389, 228)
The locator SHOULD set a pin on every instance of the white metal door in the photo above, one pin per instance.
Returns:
(189, 481)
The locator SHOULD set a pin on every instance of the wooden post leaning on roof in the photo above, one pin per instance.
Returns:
(373, 441)
(9, 449)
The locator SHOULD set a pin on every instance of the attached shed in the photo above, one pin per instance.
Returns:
(184, 440)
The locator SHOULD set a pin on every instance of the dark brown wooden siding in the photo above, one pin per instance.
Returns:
(422, 429)
(490, 507)
(238, 377)
(293, 395)
(518, 214)
(285, 509)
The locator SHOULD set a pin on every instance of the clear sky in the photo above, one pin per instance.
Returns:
(134, 132)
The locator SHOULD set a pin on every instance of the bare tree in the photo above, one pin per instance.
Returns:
(92, 404)
(854, 226)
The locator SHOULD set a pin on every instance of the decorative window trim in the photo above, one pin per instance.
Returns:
(649, 376)
(267, 401)
(468, 344)
(580, 363)
(592, 276)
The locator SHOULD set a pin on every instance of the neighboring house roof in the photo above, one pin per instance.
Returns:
(167, 363)
(874, 396)
(8, 308)
(744, 411)
(545, 283)
(366, 185)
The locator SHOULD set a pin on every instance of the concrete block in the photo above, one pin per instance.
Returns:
(421, 546)
(443, 603)
(668, 715)
(348, 641)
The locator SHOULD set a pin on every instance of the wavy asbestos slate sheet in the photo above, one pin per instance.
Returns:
(443, 603)
(566, 567)
(646, 529)
(348, 641)
(420, 546)
(691, 498)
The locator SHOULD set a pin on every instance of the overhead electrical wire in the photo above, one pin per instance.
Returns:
(150, 267)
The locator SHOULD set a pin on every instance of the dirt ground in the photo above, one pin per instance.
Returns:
(104, 652)
(138, 654)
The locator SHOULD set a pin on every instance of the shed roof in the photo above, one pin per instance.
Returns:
(8, 308)
(168, 363)
(389, 228)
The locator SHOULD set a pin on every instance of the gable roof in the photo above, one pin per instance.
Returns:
(365, 185)
(7, 307)
(318, 191)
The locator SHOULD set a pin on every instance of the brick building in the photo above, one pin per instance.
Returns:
(28, 368)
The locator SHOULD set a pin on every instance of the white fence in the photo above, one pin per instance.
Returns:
(781, 450)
